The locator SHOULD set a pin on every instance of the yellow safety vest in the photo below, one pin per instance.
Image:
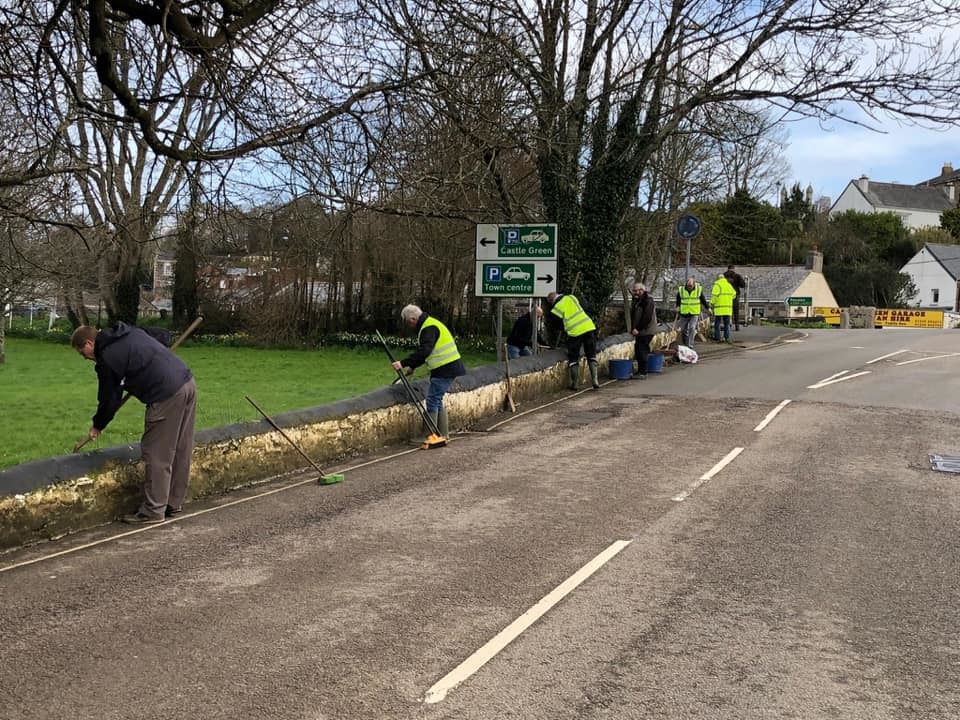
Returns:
(690, 300)
(721, 297)
(445, 350)
(575, 321)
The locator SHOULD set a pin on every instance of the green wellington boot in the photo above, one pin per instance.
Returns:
(595, 374)
(574, 375)
(443, 423)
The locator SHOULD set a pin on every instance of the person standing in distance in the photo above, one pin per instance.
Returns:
(129, 359)
(736, 279)
(690, 303)
(722, 299)
(643, 326)
(438, 350)
(581, 332)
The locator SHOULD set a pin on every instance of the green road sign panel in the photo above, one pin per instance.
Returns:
(506, 242)
(516, 279)
(799, 302)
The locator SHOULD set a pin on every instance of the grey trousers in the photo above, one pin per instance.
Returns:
(167, 448)
(688, 329)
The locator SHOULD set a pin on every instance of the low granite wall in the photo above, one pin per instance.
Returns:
(48, 498)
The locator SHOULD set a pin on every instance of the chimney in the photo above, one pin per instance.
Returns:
(815, 260)
(864, 184)
(946, 169)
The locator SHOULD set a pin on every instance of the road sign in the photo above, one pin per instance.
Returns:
(516, 278)
(798, 302)
(688, 227)
(508, 242)
(516, 260)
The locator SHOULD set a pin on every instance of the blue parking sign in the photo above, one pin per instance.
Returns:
(511, 236)
(493, 273)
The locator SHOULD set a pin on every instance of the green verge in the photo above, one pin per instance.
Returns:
(48, 393)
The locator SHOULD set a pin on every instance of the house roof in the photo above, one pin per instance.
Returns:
(942, 178)
(765, 283)
(913, 197)
(948, 256)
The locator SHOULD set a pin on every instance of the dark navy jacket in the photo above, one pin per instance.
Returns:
(129, 359)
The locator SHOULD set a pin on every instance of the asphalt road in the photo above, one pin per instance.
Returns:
(742, 558)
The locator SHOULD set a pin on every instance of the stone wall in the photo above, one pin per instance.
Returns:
(48, 498)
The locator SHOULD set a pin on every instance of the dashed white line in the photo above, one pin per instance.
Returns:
(933, 357)
(828, 381)
(729, 458)
(503, 638)
(771, 415)
(884, 357)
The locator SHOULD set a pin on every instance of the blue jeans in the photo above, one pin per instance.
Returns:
(717, 319)
(514, 352)
(438, 388)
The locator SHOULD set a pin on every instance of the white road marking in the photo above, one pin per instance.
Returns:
(503, 638)
(835, 375)
(793, 341)
(933, 357)
(729, 458)
(771, 415)
(828, 381)
(857, 347)
(884, 357)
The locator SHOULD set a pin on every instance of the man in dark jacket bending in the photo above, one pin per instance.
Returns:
(128, 359)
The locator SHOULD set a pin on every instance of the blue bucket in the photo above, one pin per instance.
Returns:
(655, 362)
(621, 369)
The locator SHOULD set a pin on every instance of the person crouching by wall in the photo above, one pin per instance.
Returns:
(520, 341)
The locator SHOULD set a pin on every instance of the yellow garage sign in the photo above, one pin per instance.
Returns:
(830, 315)
(887, 317)
(909, 318)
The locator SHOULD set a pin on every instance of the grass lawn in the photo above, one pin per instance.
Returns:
(48, 393)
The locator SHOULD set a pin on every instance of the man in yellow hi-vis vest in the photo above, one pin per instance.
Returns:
(721, 300)
(690, 303)
(580, 331)
(438, 350)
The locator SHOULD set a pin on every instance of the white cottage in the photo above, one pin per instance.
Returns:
(935, 271)
(918, 206)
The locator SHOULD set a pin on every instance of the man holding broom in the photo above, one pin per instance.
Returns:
(129, 359)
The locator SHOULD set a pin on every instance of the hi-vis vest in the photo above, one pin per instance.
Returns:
(575, 321)
(690, 300)
(445, 350)
(721, 297)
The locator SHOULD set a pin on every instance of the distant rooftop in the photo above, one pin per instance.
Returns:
(914, 197)
(765, 283)
(949, 257)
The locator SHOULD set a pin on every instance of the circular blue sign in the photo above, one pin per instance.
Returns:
(688, 227)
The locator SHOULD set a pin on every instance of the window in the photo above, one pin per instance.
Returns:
(936, 295)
